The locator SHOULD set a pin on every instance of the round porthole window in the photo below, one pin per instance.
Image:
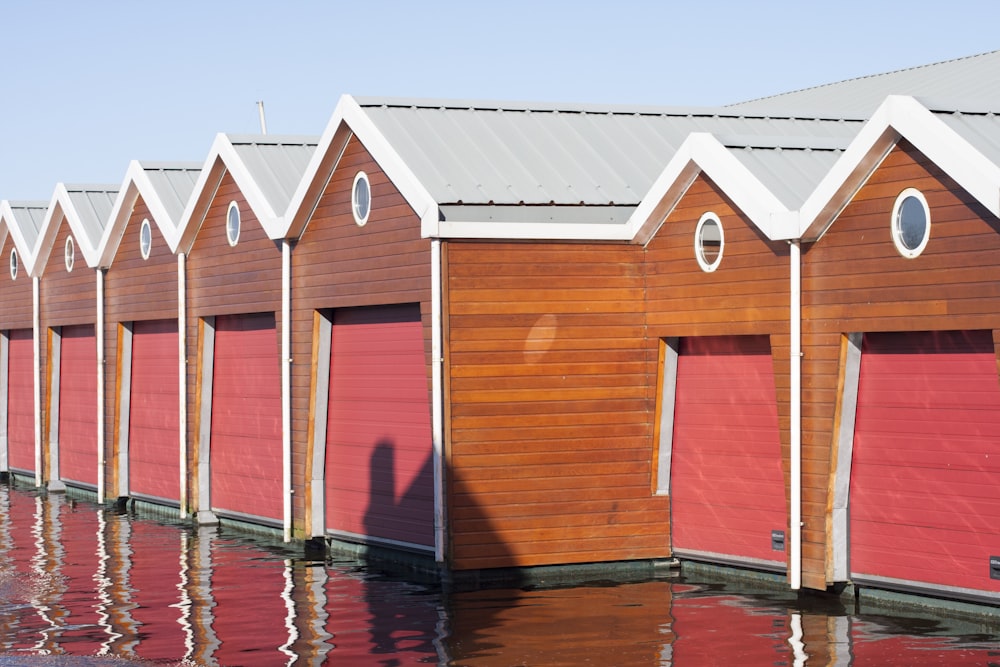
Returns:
(13, 264)
(69, 253)
(233, 224)
(361, 198)
(911, 223)
(708, 242)
(145, 238)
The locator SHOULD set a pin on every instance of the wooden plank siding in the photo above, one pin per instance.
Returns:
(337, 264)
(66, 298)
(224, 280)
(134, 289)
(15, 294)
(748, 294)
(551, 394)
(854, 280)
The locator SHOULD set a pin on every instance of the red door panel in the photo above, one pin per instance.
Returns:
(727, 487)
(925, 476)
(154, 412)
(246, 417)
(379, 471)
(20, 401)
(78, 405)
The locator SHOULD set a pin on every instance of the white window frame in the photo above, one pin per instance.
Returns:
(897, 231)
(361, 217)
(699, 254)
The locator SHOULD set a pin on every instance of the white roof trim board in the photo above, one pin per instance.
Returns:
(86, 208)
(702, 152)
(349, 118)
(224, 157)
(138, 183)
(899, 116)
(23, 221)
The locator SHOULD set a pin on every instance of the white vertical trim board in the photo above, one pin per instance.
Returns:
(844, 439)
(668, 396)
(55, 364)
(124, 399)
(206, 375)
(324, 332)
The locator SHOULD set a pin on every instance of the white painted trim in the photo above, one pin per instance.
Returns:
(286, 388)
(553, 231)
(182, 381)
(699, 245)
(668, 396)
(437, 402)
(206, 374)
(124, 400)
(320, 417)
(36, 335)
(899, 116)
(55, 365)
(895, 219)
(145, 227)
(350, 114)
(844, 442)
(99, 336)
(233, 235)
(361, 177)
(795, 416)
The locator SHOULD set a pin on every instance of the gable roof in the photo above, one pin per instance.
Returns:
(973, 78)
(489, 170)
(86, 208)
(965, 145)
(165, 187)
(22, 220)
(266, 168)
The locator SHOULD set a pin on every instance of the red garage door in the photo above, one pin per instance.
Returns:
(379, 469)
(246, 417)
(727, 489)
(154, 414)
(78, 405)
(925, 476)
(20, 401)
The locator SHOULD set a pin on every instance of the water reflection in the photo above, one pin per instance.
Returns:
(81, 585)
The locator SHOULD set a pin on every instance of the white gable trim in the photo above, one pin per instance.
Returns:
(702, 152)
(324, 161)
(899, 116)
(62, 208)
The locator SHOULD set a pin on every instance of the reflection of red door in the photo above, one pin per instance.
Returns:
(925, 477)
(78, 405)
(727, 489)
(154, 414)
(20, 401)
(379, 474)
(246, 417)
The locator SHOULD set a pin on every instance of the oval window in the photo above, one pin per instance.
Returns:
(233, 224)
(13, 264)
(708, 242)
(911, 223)
(361, 198)
(69, 253)
(145, 238)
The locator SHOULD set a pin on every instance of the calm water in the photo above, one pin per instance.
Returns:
(81, 585)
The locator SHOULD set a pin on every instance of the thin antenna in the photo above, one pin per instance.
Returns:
(263, 123)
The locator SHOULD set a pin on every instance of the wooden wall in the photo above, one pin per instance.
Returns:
(224, 280)
(748, 294)
(15, 295)
(551, 387)
(854, 280)
(65, 298)
(135, 289)
(337, 264)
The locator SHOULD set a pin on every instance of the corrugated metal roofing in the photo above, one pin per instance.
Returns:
(790, 174)
(29, 216)
(276, 163)
(173, 183)
(93, 205)
(471, 155)
(981, 130)
(973, 77)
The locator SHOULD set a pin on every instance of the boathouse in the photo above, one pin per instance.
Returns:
(66, 265)
(142, 277)
(20, 450)
(234, 302)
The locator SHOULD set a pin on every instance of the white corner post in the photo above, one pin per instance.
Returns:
(437, 400)
(795, 416)
(286, 386)
(100, 385)
(36, 326)
(182, 381)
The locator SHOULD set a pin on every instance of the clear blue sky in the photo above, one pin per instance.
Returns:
(89, 85)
